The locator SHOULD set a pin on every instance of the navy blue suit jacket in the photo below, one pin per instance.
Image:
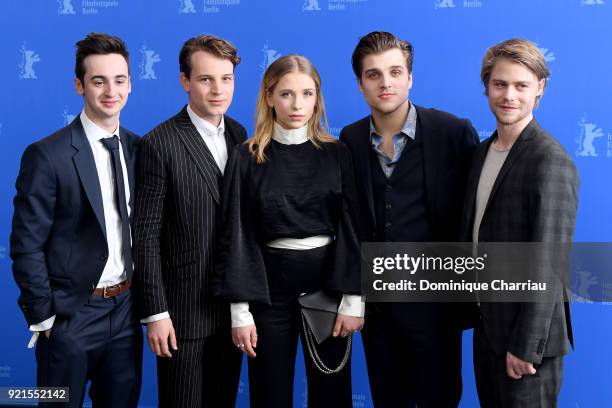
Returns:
(58, 238)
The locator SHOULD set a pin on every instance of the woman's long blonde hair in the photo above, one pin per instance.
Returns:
(264, 115)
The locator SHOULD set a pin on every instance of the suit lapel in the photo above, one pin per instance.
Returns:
(431, 155)
(365, 163)
(472, 185)
(199, 152)
(515, 153)
(130, 161)
(86, 168)
(230, 139)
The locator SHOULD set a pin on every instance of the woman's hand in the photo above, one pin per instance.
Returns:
(346, 325)
(245, 338)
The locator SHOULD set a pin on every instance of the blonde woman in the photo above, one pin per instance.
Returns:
(289, 228)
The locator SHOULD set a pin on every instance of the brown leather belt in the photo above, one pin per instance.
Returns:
(112, 291)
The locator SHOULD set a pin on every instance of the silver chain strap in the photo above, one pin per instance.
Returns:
(312, 350)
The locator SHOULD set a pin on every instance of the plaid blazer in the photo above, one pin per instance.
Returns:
(533, 199)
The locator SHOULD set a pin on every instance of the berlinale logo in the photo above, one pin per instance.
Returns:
(68, 117)
(149, 58)
(26, 66)
(65, 7)
(449, 4)
(311, 5)
(209, 6)
(591, 2)
(186, 7)
(549, 56)
(589, 132)
(330, 5)
(270, 55)
(444, 4)
(87, 7)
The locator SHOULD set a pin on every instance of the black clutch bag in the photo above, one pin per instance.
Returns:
(319, 311)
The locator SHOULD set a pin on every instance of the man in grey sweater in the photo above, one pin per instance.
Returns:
(523, 187)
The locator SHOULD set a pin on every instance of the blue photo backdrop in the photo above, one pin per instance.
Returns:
(449, 37)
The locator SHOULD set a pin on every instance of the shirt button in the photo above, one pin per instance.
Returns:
(389, 188)
(388, 225)
(388, 206)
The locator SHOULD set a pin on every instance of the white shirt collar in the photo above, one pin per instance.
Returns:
(290, 136)
(93, 131)
(205, 126)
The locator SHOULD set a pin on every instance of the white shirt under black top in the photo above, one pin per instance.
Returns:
(114, 269)
(214, 137)
(351, 305)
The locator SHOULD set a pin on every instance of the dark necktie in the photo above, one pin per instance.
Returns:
(112, 144)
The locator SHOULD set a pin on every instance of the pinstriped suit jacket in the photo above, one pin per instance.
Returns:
(175, 224)
(533, 199)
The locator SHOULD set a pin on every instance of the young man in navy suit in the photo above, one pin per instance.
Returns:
(411, 166)
(71, 240)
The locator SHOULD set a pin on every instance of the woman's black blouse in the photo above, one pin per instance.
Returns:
(300, 191)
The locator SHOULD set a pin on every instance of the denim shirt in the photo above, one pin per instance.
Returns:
(399, 141)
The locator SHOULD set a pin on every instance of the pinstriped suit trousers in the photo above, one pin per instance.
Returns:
(201, 373)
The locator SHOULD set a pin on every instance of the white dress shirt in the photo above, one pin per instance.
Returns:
(214, 137)
(114, 269)
(351, 305)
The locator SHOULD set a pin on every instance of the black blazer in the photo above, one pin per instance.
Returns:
(58, 239)
(179, 187)
(533, 199)
(448, 145)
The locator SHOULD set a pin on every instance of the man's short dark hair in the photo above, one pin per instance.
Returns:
(377, 42)
(98, 44)
(211, 44)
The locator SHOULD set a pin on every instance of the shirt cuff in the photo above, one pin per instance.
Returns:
(240, 315)
(44, 325)
(352, 305)
(155, 318)
(40, 327)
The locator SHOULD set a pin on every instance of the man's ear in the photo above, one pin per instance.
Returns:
(78, 86)
(541, 84)
(184, 81)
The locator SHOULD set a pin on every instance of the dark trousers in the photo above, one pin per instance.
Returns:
(101, 342)
(201, 373)
(271, 373)
(497, 390)
(413, 356)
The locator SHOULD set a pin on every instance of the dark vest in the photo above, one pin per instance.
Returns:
(399, 201)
